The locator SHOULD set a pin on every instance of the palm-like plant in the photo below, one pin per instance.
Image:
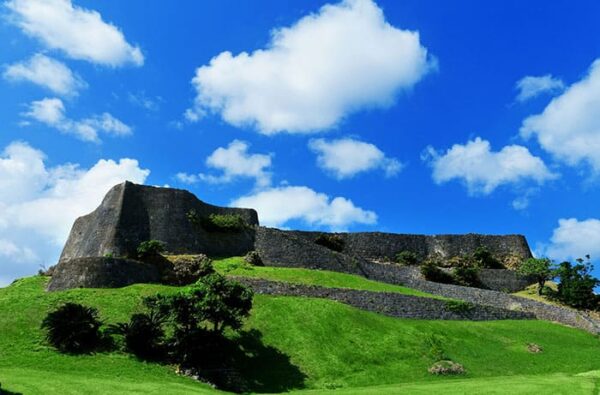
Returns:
(73, 328)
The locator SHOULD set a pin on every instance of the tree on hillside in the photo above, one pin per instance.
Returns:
(538, 268)
(576, 285)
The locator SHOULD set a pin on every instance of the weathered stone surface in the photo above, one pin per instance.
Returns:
(384, 246)
(410, 277)
(98, 272)
(131, 214)
(388, 303)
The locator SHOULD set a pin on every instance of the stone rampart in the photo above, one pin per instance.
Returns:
(388, 303)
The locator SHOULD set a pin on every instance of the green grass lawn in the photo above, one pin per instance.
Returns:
(295, 344)
(324, 278)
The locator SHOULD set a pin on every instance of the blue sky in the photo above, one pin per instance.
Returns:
(400, 116)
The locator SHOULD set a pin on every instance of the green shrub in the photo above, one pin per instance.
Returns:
(150, 248)
(73, 328)
(143, 335)
(407, 258)
(253, 258)
(484, 259)
(432, 272)
(466, 275)
(459, 306)
(228, 223)
(331, 241)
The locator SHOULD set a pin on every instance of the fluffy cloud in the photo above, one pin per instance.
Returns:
(46, 72)
(574, 239)
(346, 157)
(530, 87)
(38, 204)
(51, 111)
(78, 32)
(314, 72)
(482, 170)
(279, 205)
(569, 127)
(234, 162)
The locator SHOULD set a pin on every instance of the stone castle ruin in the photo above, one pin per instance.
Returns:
(100, 244)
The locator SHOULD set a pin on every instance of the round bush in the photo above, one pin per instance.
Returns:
(73, 328)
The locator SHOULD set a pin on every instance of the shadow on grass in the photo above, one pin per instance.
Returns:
(5, 392)
(253, 366)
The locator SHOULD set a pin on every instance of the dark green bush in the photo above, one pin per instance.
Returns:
(228, 223)
(576, 285)
(432, 272)
(73, 328)
(466, 275)
(253, 258)
(485, 260)
(150, 249)
(331, 241)
(459, 306)
(407, 258)
(143, 335)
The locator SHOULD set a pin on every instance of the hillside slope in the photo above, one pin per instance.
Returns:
(294, 343)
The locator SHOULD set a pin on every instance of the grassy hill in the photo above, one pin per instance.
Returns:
(302, 344)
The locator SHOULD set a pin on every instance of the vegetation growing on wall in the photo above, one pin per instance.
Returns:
(226, 223)
(331, 241)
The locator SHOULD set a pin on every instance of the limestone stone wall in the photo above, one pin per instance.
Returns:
(388, 303)
(98, 272)
(385, 246)
(410, 277)
(131, 214)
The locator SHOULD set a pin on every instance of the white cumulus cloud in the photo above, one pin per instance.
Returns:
(234, 162)
(47, 72)
(325, 66)
(569, 126)
(51, 112)
(574, 239)
(277, 206)
(347, 157)
(483, 170)
(78, 32)
(38, 204)
(530, 86)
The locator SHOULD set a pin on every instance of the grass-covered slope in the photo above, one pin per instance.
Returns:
(324, 278)
(301, 343)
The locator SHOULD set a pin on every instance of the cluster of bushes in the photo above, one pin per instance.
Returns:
(407, 258)
(186, 328)
(466, 274)
(227, 223)
(331, 241)
(575, 286)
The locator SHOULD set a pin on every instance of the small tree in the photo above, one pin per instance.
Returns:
(73, 328)
(576, 285)
(200, 314)
(538, 268)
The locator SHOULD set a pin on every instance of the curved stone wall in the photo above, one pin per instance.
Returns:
(388, 303)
